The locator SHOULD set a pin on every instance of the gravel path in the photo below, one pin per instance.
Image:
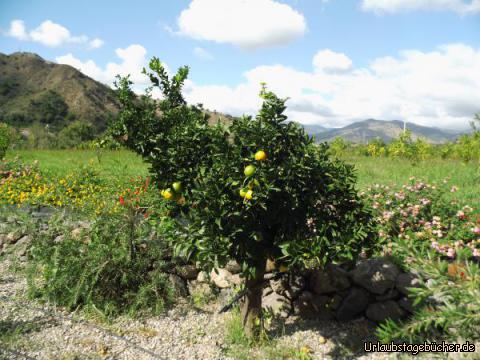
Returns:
(42, 332)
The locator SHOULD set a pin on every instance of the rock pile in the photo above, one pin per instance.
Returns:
(374, 288)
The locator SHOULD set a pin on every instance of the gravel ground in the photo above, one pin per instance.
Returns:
(42, 332)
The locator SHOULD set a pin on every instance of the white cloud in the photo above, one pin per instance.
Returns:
(330, 62)
(393, 6)
(50, 34)
(133, 59)
(248, 24)
(437, 88)
(96, 43)
(17, 30)
(202, 54)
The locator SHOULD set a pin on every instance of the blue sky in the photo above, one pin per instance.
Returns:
(339, 60)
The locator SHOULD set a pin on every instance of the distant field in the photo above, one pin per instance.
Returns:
(466, 176)
(122, 165)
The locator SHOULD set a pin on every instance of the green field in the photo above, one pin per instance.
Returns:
(123, 165)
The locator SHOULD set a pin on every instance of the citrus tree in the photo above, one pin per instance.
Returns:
(257, 189)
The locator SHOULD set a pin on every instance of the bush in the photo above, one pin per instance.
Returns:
(437, 239)
(97, 268)
(7, 136)
(75, 134)
(291, 203)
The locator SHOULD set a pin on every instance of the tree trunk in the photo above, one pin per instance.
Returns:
(251, 306)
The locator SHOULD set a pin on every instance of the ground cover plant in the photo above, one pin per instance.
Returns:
(256, 190)
(432, 235)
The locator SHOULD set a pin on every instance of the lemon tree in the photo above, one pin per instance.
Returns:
(257, 189)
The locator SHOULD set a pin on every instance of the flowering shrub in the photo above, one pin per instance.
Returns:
(421, 213)
(22, 184)
(437, 239)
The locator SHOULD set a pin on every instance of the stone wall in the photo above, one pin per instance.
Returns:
(374, 288)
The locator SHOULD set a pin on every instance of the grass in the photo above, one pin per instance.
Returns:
(123, 165)
(387, 171)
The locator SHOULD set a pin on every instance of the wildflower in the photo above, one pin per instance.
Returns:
(121, 200)
(451, 253)
(453, 189)
(461, 215)
(476, 230)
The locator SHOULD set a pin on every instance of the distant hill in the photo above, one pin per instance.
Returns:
(33, 89)
(315, 129)
(364, 131)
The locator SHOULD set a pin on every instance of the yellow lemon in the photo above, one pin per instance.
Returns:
(243, 192)
(260, 155)
(249, 194)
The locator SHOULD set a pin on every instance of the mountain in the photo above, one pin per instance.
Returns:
(364, 131)
(35, 90)
(314, 129)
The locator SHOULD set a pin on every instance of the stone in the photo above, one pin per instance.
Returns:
(236, 279)
(329, 280)
(58, 239)
(375, 275)
(179, 285)
(22, 245)
(312, 306)
(77, 232)
(233, 266)
(335, 302)
(277, 304)
(405, 281)
(380, 311)
(391, 294)
(202, 277)
(221, 278)
(353, 304)
(12, 238)
(406, 304)
(270, 266)
(290, 285)
(188, 272)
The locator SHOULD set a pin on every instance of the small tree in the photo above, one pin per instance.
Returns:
(256, 190)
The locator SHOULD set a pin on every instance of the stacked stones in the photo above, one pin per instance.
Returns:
(374, 288)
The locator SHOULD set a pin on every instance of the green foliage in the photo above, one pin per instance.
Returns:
(376, 148)
(7, 136)
(96, 267)
(75, 134)
(50, 109)
(338, 147)
(432, 236)
(448, 303)
(304, 206)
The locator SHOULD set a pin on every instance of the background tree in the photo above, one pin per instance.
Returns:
(291, 204)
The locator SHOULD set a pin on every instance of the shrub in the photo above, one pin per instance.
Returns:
(96, 268)
(75, 134)
(292, 203)
(7, 135)
(437, 239)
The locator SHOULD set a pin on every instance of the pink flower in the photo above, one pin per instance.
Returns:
(476, 230)
(451, 253)
(476, 252)
(460, 214)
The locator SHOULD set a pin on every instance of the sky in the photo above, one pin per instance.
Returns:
(338, 61)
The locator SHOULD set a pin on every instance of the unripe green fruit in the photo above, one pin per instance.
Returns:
(249, 170)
